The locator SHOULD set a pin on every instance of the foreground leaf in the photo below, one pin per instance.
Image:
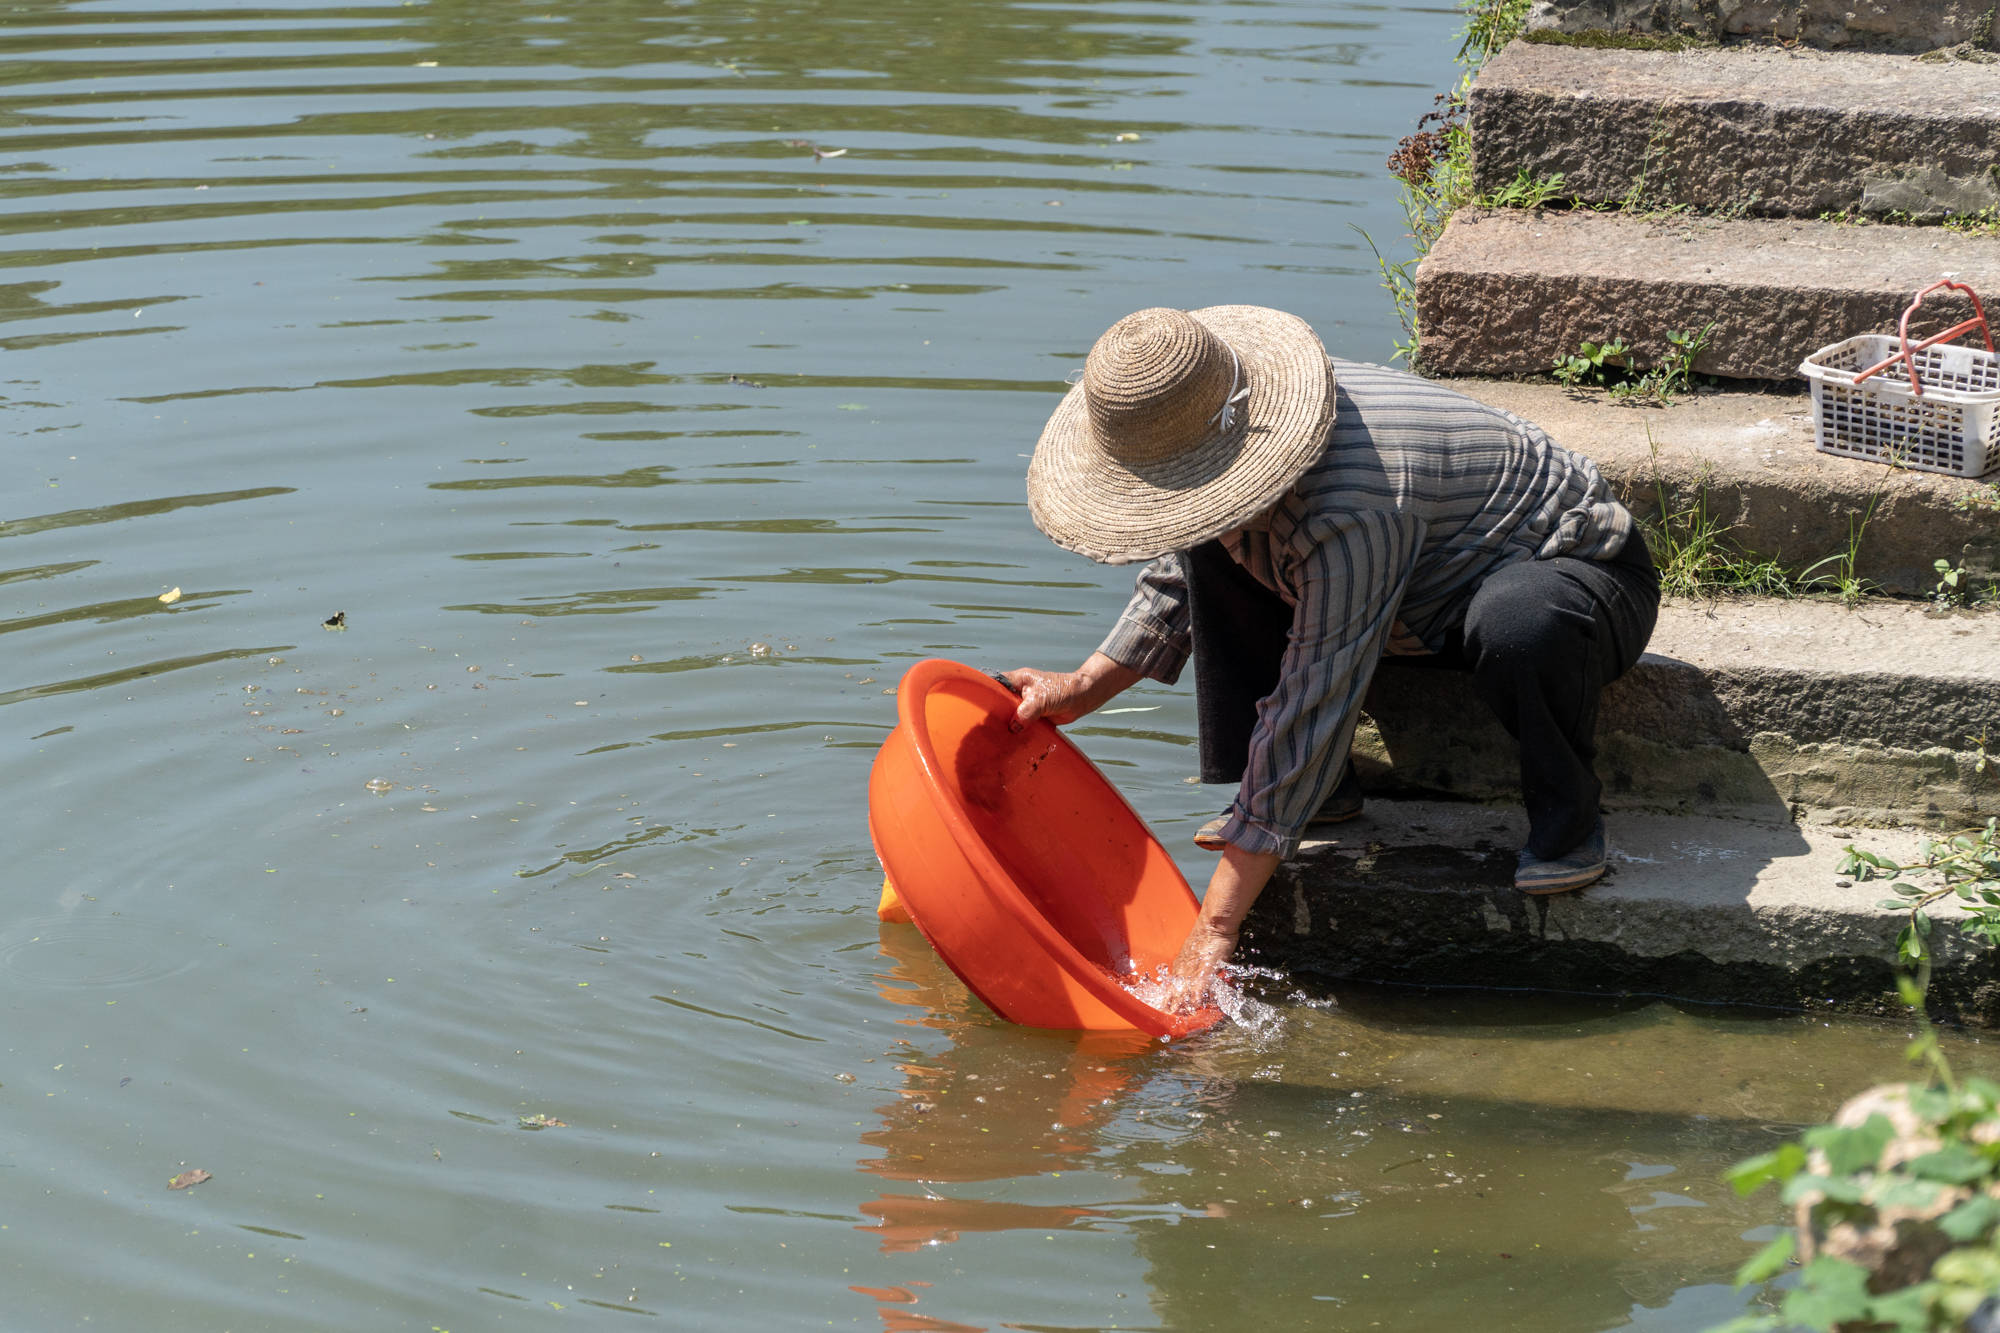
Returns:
(1754, 1173)
(1830, 1291)
(1855, 1149)
(1767, 1262)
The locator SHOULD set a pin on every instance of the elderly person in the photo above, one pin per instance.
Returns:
(1301, 516)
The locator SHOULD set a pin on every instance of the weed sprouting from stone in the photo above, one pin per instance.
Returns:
(1839, 573)
(1692, 550)
(1986, 498)
(1609, 365)
(1434, 163)
(1948, 593)
(1526, 190)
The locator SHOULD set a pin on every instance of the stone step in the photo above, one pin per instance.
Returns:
(1749, 709)
(1507, 291)
(1748, 129)
(1746, 464)
(1422, 893)
(1886, 25)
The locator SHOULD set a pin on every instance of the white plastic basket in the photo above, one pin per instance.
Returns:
(1938, 410)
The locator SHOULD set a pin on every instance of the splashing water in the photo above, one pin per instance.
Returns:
(1259, 1021)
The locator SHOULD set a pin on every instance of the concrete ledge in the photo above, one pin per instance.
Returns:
(1761, 130)
(1719, 911)
(1505, 292)
(1750, 710)
(1887, 25)
(1749, 460)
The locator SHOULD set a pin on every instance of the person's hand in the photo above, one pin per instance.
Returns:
(1060, 696)
(1064, 696)
(1202, 954)
(1238, 879)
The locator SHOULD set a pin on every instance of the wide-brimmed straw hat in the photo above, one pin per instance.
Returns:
(1187, 423)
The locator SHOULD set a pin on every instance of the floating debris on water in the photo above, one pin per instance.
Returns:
(189, 1179)
(171, 596)
(338, 620)
(378, 786)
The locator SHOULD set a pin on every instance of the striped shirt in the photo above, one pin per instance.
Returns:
(1421, 493)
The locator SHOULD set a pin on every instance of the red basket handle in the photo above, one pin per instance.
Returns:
(1908, 353)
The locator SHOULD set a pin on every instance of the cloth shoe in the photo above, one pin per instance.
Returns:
(1344, 804)
(1583, 864)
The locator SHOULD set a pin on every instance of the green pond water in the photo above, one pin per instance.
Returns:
(642, 450)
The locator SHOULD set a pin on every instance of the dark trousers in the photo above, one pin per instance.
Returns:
(1542, 638)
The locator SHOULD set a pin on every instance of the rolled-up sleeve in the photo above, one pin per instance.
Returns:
(1349, 575)
(1152, 636)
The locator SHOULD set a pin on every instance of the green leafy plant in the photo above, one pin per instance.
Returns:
(1908, 1176)
(1610, 365)
(1592, 363)
(1986, 498)
(1933, 1180)
(1400, 281)
(1986, 222)
(1965, 868)
(1685, 347)
(1948, 592)
(1673, 375)
(1490, 25)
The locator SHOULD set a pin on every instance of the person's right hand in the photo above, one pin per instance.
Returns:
(1060, 696)
(1064, 696)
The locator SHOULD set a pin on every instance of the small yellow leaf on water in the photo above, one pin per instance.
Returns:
(171, 596)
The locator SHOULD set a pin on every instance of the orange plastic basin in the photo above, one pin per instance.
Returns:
(1023, 867)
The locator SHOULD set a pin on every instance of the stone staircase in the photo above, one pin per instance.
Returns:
(1507, 291)
(1772, 196)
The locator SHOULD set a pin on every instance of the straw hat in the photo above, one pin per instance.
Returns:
(1187, 423)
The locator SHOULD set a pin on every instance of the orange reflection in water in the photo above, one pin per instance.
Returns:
(895, 1320)
(999, 1103)
(907, 1222)
(1002, 1101)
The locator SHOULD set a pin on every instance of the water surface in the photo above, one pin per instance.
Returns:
(639, 448)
